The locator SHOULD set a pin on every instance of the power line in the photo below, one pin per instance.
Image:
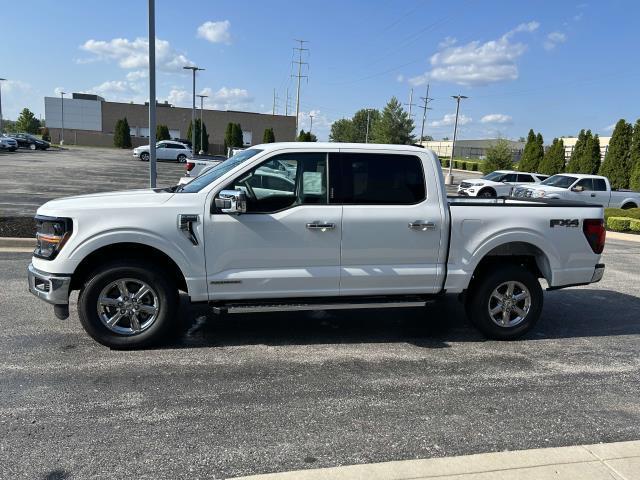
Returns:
(299, 76)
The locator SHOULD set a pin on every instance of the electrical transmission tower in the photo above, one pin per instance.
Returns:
(299, 75)
(410, 104)
(424, 108)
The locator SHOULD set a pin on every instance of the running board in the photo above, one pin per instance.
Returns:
(301, 306)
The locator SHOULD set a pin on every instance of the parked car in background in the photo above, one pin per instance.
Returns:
(195, 167)
(246, 237)
(165, 150)
(582, 188)
(26, 140)
(8, 143)
(185, 141)
(497, 184)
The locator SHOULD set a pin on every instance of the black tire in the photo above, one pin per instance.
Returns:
(182, 158)
(144, 156)
(480, 298)
(156, 278)
(629, 206)
(487, 193)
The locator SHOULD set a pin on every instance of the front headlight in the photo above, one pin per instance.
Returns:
(538, 194)
(51, 235)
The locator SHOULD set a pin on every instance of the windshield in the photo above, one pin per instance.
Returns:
(494, 176)
(560, 181)
(218, 171)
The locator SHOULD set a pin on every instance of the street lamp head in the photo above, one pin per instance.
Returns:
(458, 97)
(194, 68)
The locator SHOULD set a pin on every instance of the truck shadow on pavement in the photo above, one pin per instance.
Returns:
(577, 312)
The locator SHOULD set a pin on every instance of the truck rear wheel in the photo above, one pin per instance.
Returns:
(128, 304)
(505, 303)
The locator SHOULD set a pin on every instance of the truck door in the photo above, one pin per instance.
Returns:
(600, 195)
(287, 244)
(392, 223)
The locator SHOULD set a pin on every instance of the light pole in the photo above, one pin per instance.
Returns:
(449, 179)
(194, 69)
(1, 80)
(311, 126)
(202, 97)
(366, 136)
(152, 94)
(62, 94)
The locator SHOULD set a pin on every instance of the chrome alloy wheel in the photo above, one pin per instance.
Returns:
(128, 306)
(509, 304)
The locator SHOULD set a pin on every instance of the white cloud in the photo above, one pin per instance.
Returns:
(477, 63)
(11, 86)
(496, 118)
(223, 99)
(137, 75)
(134, 54)
(553, 39)
(215, 32)
(448, 42)
(450, 119)
(400, 78)
(609, 128)
(116, 90)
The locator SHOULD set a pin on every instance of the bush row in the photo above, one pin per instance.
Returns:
(461, 165)
(618, 212)
(623, 224)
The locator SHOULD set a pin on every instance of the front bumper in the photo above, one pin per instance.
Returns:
(52, 288)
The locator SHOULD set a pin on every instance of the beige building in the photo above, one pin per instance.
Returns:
(90, 120)
(470, 148)
(570, 144)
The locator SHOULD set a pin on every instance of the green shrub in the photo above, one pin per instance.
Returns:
(618, 224)
(474, 167)
(618, 212)
(634, 225)
(456, 164)
(446, 164)
(464, 165)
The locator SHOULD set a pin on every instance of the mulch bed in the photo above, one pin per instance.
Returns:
(21, 227)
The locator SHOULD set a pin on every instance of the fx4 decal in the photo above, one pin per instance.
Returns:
(564, 222)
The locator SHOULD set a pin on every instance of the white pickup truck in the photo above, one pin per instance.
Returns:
(340, 226)
(580, 188)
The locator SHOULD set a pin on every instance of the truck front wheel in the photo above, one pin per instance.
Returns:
(128, 304)
(505, 303)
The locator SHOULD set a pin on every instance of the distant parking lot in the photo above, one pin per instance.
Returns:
(29, 179)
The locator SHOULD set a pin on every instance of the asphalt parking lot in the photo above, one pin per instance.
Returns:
(272, 392)
(29, 179)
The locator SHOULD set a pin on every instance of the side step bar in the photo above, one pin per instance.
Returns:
(320, 305)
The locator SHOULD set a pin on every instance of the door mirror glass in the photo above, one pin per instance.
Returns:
(232, 201)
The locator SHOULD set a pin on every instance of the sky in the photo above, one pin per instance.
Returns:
(554, 66)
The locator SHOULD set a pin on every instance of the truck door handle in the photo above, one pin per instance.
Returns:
(593, 194)
(321, 226)
(422, 225)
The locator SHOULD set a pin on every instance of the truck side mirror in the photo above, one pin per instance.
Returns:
(578, 188)
(232, 201)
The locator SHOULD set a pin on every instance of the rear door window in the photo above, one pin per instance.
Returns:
(599, 185)
(376, 179)
(522, 178)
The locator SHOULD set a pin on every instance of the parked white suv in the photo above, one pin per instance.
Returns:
(497, 184)
(340, 226)
(8, 143)
(165, 150)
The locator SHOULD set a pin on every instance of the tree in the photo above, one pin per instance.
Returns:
(499, 157)
(553, 161)
(122, 134)
(359, 122)
(533, 153)
(590, 158)
(205, 136)
(342, 131)
(228, 136)
(617, 162)
(46, 135)
(162, 133)
(395, 126)
(238, 139)
(269, 136)
(27, 122)
(635, 157)
(306, 137)
(574, 162)
(427, 138)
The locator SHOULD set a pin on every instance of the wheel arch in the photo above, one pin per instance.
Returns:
(487, 189)
(629, 204)
(128, 250)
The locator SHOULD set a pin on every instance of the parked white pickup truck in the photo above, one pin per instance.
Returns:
(581, 188)
(195, 166)
(497, 184)
(342, 226)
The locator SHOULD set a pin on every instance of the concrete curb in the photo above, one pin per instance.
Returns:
(619, 461)
(629, 237)
(13, 242)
